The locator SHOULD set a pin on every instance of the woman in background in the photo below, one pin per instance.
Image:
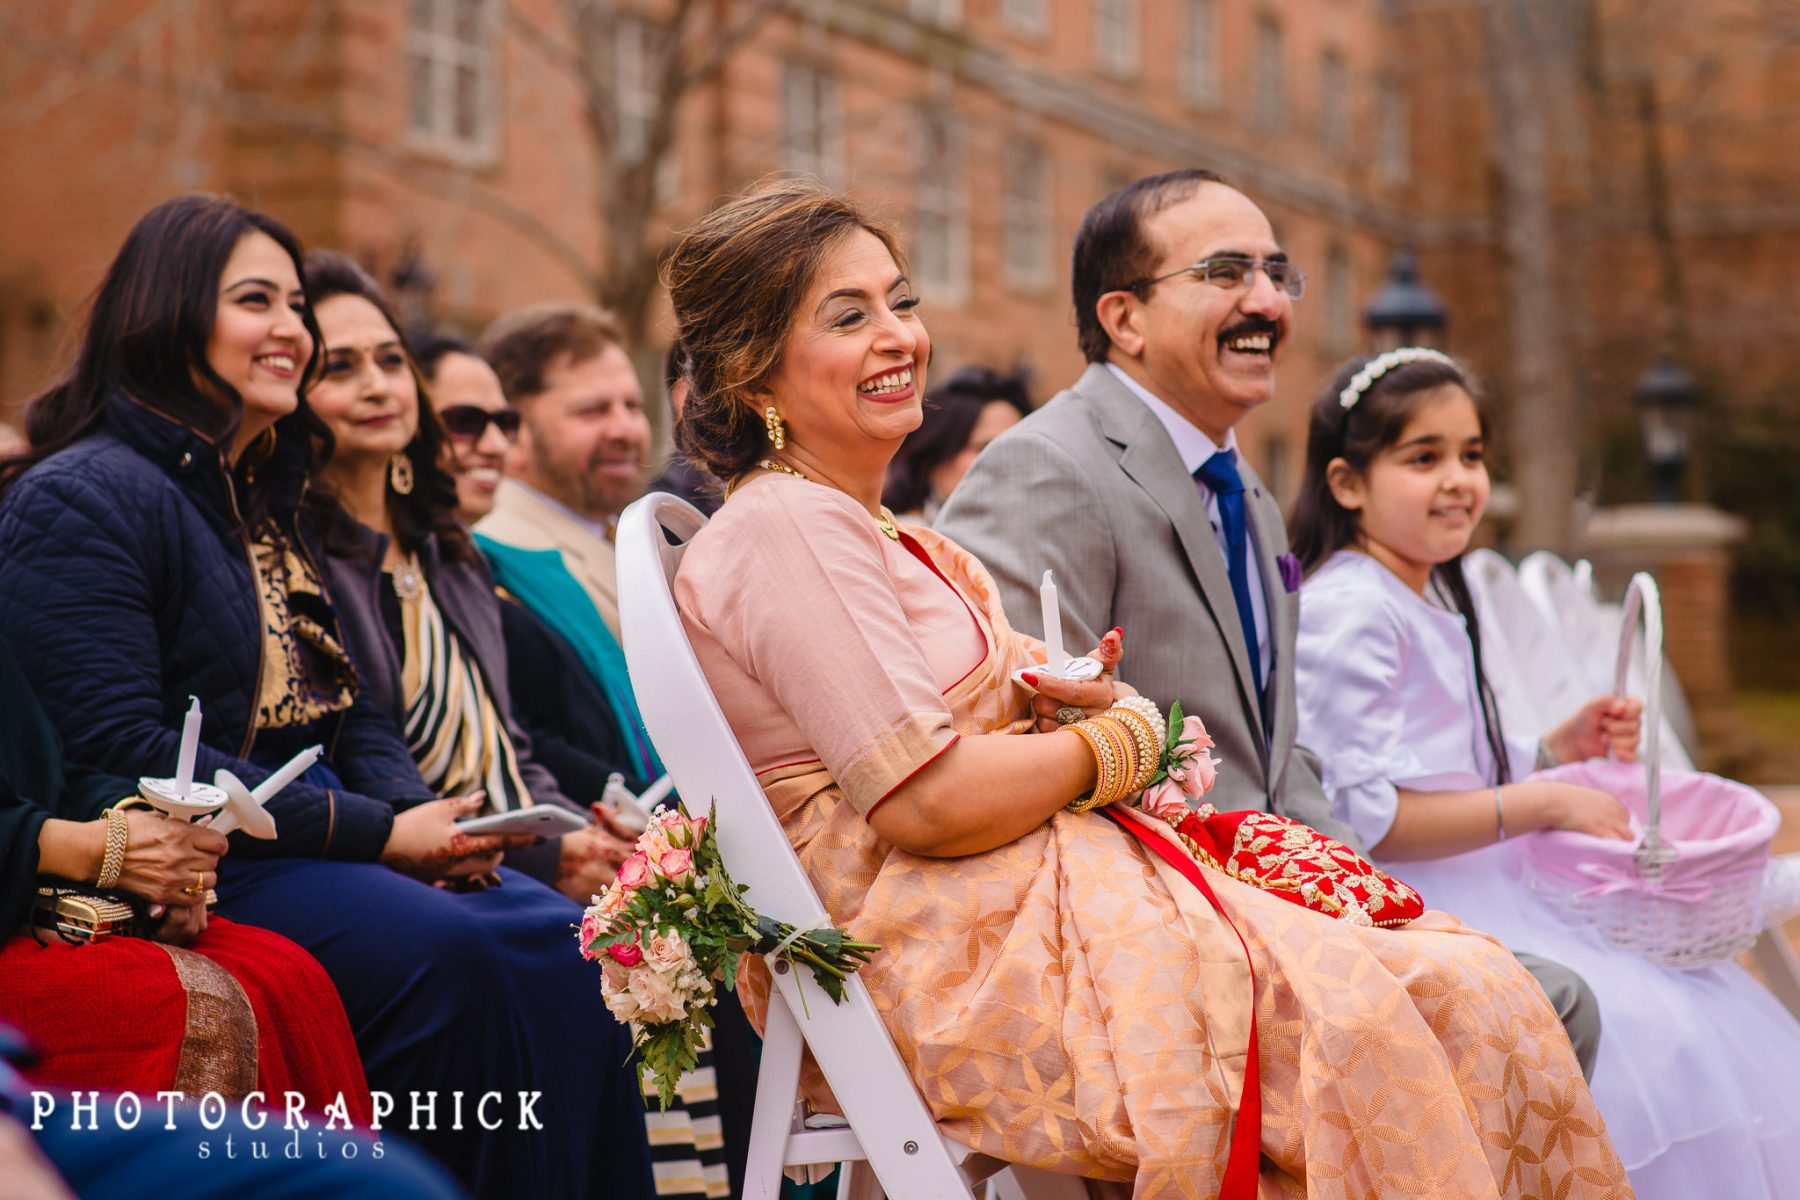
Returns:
(962, 415)
(151, 548)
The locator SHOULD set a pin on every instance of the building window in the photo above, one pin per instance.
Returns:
(1200, 52)
(1025, 18)
(1026, 240)
(941, 217)
(1340, 300)
(1116, 37)
(451, 68)
(812, 123)
(1394, 144)
(944, 13)
(1271, 73)
(1334, 102)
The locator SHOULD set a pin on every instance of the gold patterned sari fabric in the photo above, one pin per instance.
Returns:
(306, 672)
(1070, 1002)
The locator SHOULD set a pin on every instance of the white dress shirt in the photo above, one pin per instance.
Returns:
(1195, 448)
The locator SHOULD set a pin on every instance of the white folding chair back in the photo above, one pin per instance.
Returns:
(889, 1126)
(1523, 655)
(1590, 630)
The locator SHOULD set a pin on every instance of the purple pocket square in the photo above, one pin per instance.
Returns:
(1290, 572)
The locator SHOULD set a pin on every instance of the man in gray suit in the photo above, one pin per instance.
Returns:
(1129, 486)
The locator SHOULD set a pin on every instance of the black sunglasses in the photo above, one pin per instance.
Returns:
(466, 422)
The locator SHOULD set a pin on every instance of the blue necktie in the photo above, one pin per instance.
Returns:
(1220, 474)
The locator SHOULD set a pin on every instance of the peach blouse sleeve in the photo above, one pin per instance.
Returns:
(813, 615)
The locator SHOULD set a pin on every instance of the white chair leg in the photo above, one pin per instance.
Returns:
(1779, 965)
(777, 1082)
(856, 1181)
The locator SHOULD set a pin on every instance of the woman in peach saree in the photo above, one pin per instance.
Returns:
(1063, 996)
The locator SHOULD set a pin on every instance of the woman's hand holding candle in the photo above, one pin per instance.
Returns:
(1093, 696)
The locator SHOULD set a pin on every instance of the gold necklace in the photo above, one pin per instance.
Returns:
(883, 518)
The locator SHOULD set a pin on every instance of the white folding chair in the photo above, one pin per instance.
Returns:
(1590, 631)
(890, 1143)
(1523, 655)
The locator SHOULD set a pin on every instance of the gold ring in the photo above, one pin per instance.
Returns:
(199, 885)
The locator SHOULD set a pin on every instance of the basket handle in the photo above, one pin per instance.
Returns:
(1643, 600)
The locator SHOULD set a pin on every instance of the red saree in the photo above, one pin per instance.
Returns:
(238, 1010)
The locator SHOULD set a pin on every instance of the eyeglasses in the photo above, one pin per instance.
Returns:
(467, 422)
(1229, 272)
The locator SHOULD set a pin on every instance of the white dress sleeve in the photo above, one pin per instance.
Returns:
(1349, 661)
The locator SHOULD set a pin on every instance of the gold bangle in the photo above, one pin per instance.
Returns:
(1103, 768)
(1116, 754)
(113, 860)
(1144, 743)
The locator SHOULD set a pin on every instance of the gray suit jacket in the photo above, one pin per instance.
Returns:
(1091, 487)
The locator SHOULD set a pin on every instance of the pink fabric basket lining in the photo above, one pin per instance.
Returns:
(1720, 830)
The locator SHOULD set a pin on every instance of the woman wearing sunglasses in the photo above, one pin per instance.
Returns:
(416, 600)
(480, 427)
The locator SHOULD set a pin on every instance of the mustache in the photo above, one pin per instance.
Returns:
(1250, 327)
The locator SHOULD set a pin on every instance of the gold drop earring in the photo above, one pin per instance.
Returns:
(400, 473)
(777, 431)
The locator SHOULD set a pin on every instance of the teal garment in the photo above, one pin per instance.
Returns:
(544, 584)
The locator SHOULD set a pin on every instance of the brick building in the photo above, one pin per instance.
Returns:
(450, 144)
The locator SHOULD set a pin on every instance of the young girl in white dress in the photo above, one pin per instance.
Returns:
(1698, 1074)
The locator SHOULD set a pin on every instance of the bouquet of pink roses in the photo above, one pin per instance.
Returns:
(671, 925)
(1187, 772)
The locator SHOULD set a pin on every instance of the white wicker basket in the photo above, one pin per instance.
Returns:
(1689, 893)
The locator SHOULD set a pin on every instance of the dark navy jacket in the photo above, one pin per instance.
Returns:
(126, 585)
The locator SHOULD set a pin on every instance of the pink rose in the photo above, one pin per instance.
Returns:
(657, 997)
(1202, 772)
(1164, 802)
(668, 951)
(1193, 731)
(634, 872)
(593, 925)
(626, 954)
(677, 866)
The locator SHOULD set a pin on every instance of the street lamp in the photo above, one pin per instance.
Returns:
(1404, 311)
(413, 281)
(1667, 398)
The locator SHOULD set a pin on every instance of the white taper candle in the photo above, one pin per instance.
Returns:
(290, 770)
(190, 746)
(1052, 613)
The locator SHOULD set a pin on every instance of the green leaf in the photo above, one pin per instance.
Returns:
(1174, 724)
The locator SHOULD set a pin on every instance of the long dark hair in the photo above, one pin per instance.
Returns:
(951, 410)
(146, 335)
(430, 508)
(1320, 526)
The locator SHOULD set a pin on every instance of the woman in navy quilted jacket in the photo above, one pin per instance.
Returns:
(150, 548)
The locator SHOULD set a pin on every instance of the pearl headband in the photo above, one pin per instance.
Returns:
(1382, 364)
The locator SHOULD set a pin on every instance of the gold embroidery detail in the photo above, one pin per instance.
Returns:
(218, 1046)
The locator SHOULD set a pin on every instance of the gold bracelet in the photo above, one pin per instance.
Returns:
(1144, 742)
(1116, 754)
(113, 860)
(1104, 768)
